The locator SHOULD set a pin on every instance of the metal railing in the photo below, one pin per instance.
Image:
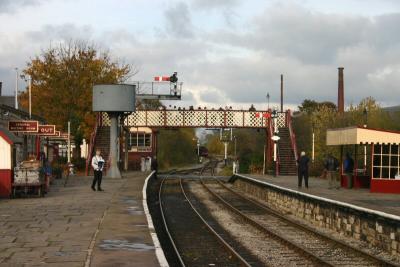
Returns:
(292, 134)
(158, 88)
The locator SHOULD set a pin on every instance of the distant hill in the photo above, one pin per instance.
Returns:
(392, 109)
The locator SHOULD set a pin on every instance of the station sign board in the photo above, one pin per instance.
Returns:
(47, 130)
(56, 134)
(59, 136)
(23, 126)
(64, 136)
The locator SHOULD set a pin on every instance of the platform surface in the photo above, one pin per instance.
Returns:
(72, 222)
(388, 203)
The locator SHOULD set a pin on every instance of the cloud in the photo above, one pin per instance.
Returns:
(63, 32)
(215, 4)
(7, 6)
(226, 8)
(238, 66)
(178, 21)
(17, 48)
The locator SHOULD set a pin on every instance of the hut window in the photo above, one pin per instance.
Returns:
(386, 162)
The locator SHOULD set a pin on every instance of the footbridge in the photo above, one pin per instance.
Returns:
(211, 118)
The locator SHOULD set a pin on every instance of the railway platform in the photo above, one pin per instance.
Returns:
(387, 203)
(74, 226)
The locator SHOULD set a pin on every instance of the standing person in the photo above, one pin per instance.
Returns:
(302, 171)
(331, 166)
(154, 166)
(324, 171)
(98, 165)
(348, 169)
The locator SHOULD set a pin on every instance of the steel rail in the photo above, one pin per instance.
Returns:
(226, 245)
(308, 229)
(211, 230)
(301, 250)
(166, 225)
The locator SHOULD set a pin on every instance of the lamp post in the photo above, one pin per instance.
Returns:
(235, 145)
(16, 88)
(198, 148)
(30, 97)
(313, 141)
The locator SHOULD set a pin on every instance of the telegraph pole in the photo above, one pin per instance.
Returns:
(16, 88)
(69, 143)
(30, 97)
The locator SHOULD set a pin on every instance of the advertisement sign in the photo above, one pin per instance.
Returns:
(23, 126)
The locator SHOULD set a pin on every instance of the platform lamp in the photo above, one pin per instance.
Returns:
(275, 138)
(365, 116)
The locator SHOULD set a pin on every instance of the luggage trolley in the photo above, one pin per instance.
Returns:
(29, 178)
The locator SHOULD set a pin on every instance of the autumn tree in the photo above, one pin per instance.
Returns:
(172, 141)
(309, 106)
(324, 117)
(62, 82)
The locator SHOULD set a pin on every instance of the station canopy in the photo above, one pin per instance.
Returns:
(358, 135)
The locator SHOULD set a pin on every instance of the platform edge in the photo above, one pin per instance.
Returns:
(158, 249)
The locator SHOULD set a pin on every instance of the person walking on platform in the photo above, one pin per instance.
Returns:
(302, 171)
(331, 166)
(154, 166)
(98, 165)
(348, 167)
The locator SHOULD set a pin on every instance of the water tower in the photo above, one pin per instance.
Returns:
(115, 99)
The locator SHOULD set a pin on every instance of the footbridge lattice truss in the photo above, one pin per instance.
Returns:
(199, 119)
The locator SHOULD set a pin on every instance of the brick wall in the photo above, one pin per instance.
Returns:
(375, 229)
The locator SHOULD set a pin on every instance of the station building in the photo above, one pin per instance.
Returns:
(142, 143)
(376, 154)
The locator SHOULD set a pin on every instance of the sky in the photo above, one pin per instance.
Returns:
(226, 52)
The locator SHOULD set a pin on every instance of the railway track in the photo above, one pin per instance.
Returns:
(195, 242)
(322, 250)
(208, 166)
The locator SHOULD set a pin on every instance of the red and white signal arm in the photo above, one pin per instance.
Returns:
(161, 78)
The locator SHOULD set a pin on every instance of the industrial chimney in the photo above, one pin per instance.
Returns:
(340, 104)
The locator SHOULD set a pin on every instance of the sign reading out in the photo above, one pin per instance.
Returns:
(47, 130)
(23, 126)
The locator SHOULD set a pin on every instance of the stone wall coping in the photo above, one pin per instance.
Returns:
(331, 201)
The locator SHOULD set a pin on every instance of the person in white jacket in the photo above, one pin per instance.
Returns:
(98, 165)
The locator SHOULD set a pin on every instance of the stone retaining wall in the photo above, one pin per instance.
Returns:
(377, 230)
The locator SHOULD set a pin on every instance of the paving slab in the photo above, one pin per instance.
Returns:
(122, 239)
(73, 222)
(388, 203)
